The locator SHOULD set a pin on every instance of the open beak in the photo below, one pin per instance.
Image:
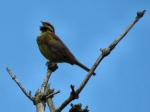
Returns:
(43, 23)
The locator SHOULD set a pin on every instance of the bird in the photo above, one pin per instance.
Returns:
(53, 48)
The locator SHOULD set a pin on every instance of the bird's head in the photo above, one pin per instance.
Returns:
(46, 26)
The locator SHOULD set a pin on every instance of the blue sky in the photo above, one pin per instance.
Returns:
(123, 79)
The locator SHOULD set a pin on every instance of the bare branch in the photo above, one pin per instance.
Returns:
(44, 91)
(51, 68)
(137, 18)
(19, 84)
(51, 105)
(45, 82)
(49, 98)
(40, 107)
(52, 94)
(49, 94)
(105, 52)
(78, 108)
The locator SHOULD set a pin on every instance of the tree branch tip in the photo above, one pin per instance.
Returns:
(72, 88)
(30, 93)
(101, 49)
(52, 94)
(8, 70)
(58, 91)
(10, 73)
(73, 92)
(140, 14)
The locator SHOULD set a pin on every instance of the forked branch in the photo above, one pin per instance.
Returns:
(105, 52)
(45, 94)
(28, 94)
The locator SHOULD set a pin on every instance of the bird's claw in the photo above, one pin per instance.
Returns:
(51, 66)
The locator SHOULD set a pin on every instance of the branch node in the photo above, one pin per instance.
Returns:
(39, 98)
(13, 76)
(73, 92)
(48, 92)
(78, 108)
(30, 93)
(52, 94)
(105, 51)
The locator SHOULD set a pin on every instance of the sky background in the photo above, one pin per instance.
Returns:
(122, 83)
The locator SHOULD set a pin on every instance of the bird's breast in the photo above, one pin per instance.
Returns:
(47, 50)
(44, 48)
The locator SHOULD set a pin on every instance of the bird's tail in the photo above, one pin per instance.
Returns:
(84, 67)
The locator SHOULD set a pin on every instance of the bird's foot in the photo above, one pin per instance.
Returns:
(51, 66)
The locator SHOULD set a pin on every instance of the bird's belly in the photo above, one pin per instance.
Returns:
(50, 54)
(46, 52)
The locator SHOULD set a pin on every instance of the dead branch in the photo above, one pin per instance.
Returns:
(28, 94)
(45, 94)
(105, 52)
(42, 95)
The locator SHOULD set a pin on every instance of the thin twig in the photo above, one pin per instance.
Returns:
(19, 84)
(52, 94)
(105, 52)
(51, 68)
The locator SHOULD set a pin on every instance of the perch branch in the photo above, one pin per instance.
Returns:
(105, 52)
(44, 91)
(19, 84)
(40, 96)
(45, 82)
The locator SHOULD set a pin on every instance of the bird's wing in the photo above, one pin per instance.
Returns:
(56, 44)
